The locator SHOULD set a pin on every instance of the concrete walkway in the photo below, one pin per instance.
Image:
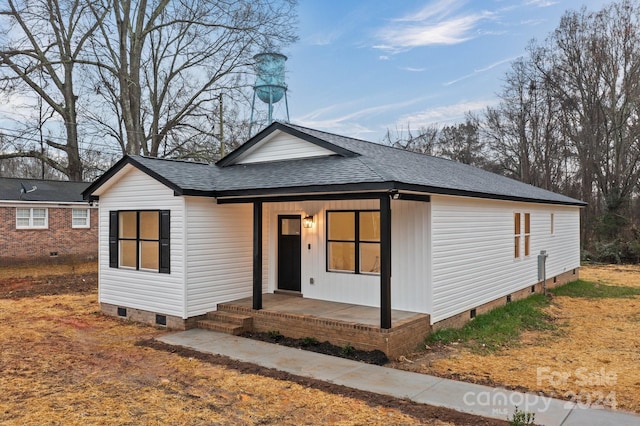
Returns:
(460, 396)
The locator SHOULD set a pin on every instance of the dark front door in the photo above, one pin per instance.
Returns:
(289, 253)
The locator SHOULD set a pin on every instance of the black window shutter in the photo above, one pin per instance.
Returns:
(165, 247)
(113, 239)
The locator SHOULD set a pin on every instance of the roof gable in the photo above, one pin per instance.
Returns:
(279, 142)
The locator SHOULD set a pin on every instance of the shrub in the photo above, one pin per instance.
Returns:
(348, 350)
(275, 335)
(309, 341)
(522, 418)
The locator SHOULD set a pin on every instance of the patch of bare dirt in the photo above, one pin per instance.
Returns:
(48, 269)
(375, 357)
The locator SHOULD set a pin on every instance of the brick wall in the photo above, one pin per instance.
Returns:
(60, 242)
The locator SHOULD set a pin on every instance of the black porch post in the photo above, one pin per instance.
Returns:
(257, 255)
(385, 261)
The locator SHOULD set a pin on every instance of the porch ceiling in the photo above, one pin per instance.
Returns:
(345, 312)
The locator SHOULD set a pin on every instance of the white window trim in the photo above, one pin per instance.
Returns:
(87, 225)
(31, 225)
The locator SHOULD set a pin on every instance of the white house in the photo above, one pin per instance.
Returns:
(331, 218)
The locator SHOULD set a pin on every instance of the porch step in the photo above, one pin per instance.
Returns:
(221, 327)
(231, 318)
(226, 322)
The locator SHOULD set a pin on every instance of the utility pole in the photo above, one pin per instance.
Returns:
(222, 150)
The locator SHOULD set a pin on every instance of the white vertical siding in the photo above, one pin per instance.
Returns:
(473, 250)
(151, 291)
(410, 255)
(283, 146)
(219, 255)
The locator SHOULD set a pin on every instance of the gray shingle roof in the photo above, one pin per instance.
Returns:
(373, 166)
(46, 190)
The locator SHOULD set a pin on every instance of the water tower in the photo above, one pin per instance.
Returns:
(270, 87)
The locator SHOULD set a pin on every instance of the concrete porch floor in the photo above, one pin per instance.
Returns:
(346, 312)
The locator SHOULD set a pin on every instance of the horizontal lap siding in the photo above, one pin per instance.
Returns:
(410, 257)
(220, 253)
(150, 291)
(284, 147)
(473, 250)
(563, 247)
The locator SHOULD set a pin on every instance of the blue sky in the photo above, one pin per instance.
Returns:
(362, 67)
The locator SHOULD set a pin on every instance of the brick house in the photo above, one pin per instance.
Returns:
(44, 220)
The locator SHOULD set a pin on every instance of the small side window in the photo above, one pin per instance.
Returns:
(80, 218)
(527, 233)
(516, 233)
(32, 218)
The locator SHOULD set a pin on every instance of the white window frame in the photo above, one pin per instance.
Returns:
(87, 217)
(31, 218)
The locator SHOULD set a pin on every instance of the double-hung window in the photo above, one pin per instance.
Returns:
(32, 218)
(139, 239)
(80, 218)
(353, 241)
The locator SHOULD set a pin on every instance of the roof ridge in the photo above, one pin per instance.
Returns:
(42, 180)
(175, 160)
(399, 149)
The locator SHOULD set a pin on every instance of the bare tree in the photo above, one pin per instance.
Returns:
(523, 130)
(424, 141)
(592, 64)
(162, 65)
(41, 45)
(462, 142)
(145, 74)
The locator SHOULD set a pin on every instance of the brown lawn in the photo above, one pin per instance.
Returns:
(592, 357)
(62, 362)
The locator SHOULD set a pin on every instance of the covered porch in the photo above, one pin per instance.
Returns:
(339, 323)
(343, 253)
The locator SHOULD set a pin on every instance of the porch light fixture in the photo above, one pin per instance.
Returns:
(307, 222)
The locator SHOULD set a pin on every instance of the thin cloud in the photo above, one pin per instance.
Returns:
(541, 3)
(444, 114)
(480, 70)
(323, 39)
(411, 69)
(532, 22)
(439, 9)
(349, 124)
(438, 23)
(497, 63)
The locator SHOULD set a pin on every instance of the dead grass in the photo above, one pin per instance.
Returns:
(592, 357)
(22, 271)
(62, 362)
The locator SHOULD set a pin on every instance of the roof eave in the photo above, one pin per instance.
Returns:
(381, 186)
